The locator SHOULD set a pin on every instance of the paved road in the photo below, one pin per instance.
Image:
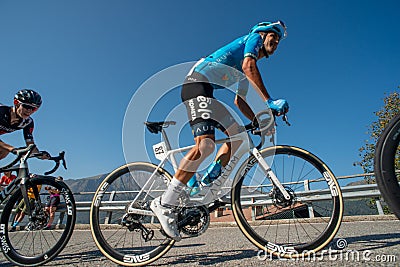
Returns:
(375, 242)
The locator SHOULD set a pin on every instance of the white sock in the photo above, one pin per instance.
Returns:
(171, 195)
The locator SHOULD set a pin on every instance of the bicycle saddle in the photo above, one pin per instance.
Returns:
(156, 127)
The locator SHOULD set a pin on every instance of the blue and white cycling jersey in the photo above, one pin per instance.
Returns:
(224, 67)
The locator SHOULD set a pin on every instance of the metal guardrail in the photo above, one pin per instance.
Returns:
(256, 199)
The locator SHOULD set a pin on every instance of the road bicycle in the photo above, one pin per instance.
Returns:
(387, 157)
(31, 243)
(284, 199)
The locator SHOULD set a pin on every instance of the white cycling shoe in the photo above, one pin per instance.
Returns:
(167, 217)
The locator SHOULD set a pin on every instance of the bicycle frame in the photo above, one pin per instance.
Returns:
(208, 194)
(19, 183)
(23, 175)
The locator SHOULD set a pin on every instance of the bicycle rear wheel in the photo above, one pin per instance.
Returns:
(387, 153)
(29, 244)
(127, 238)
(287, 228)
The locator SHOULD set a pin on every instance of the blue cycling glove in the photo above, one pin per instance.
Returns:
(278, 106)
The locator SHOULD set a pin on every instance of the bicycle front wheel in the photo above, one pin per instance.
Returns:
(287, 228)
(31, 243)
(387, 155)
(125, 237)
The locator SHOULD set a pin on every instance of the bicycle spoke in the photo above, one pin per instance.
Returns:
(28, 239)
(297, 222)
(125, 233)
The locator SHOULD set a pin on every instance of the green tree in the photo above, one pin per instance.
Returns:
(384, 115)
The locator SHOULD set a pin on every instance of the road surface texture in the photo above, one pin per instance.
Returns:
(373, 241)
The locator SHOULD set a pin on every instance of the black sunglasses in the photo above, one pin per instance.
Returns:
(30, 107)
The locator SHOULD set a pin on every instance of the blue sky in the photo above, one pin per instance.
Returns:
(88, 58)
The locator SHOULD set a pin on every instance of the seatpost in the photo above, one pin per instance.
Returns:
(168, 147)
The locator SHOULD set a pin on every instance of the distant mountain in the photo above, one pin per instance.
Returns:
(89, 184)
(361, 182)
(85, 188)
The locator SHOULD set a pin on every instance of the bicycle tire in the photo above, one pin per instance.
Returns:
(36, 246)
(112, 238)
(268, 226)
(387, 149)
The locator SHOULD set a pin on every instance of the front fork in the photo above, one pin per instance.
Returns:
(24, 190)
(270, 174)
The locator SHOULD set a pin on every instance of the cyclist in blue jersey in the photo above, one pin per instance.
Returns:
(18, 117)
(234, 63)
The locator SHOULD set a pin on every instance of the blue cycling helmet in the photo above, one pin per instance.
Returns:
(278, 27)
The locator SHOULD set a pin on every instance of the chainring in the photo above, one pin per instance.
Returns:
(199, 220)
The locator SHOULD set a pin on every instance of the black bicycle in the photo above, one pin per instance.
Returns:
(387, 157)
(25, 238)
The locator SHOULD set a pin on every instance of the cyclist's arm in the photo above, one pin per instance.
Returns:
(44, 155)
(35, 150)
(5, 149)
(240, 99)
(252, 73)
(241, 103)
(6, 146)
(28, 136)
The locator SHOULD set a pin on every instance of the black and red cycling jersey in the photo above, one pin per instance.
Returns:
(26, 125)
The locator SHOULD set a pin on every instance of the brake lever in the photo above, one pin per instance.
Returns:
(64, 163)
(285, 119)
(57, 160)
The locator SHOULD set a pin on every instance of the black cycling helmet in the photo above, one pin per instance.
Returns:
(28, 96)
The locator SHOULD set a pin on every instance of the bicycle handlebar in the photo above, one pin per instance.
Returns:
(26, 151)
(56, 159)
(261, 125)
(19, 152)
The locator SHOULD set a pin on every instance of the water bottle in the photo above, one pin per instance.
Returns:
(212, 173)
(194, 184)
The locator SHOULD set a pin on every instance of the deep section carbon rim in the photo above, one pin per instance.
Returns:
(307, 222)
(387, 158)
(29, 243)
(129, 239)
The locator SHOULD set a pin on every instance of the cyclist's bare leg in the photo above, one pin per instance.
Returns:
(51, 211)
(203, 148)
(163, 206)
(228, 149)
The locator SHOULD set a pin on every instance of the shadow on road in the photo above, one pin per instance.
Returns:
(375, 241)
(79, 258)
(5, 264)
(208, 258)
(87, 256)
